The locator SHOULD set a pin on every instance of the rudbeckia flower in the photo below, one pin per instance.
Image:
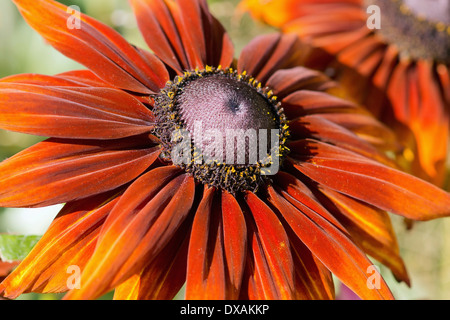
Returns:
(141, 222)
(392, 56)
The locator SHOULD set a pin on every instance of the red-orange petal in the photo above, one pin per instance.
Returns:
(57, 108)
(286, 81)
(235, 242)
(371, 229)
(313, 281)
(183, 33)
(336, 251)
(320, 128)
(206, 276)
(95, 45)
(163, 278)
(69, 241)
(217, 248)
(364, 179)
(303, 102)
(205, 34)
(138, 228)
(273, 259)
(57, 171)
(265, 54)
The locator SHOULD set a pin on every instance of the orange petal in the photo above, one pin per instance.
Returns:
(265, 54)
(95, 45)
(183, 33)
(206, 262)
(336, 251)
(286, 81)
(271, 250)
(384, 187)
(163, 278)
(205, 33)
(303, 102)
(313, 281)
(318, 127)
(371, 229)
(56, 171)
(217, 248)
(78, 78)
(366, 127)
(299, 191)
(138, 228)
(58, 110)
(69, 241)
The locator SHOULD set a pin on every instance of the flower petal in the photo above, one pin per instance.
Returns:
(384, 187)
(336, 251)
(265, 54)
(56, 171)
(69, 241)
(366, 127)
(95, 45)
(183, 33)
(273, 259)
(318, 127)
(313, 281)
(371, 229)
(421, 108)
(71, 112)
(303, 102)
(206, 34)
(138, 228)
(342, 112)
(46, 80)
(163, 278)
(217, 248)
(286, 81)
(235, 241)
(289, 184)
(206, 265)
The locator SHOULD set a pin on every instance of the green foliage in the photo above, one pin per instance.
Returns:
(16, 247)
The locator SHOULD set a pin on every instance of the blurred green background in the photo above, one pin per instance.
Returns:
(425, 248)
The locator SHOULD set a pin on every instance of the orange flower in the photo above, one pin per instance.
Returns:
(138, 222)
(399, 68)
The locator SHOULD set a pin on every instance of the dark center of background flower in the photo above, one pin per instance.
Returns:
(222, 127)
(420, 29)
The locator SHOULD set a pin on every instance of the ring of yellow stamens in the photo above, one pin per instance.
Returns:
(231, 177)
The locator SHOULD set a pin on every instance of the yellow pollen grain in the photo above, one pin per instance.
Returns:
(440, 27)
(408, 154)
(404, 9)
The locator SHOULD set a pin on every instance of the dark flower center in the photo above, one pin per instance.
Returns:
(222, 127)
(420, 29)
